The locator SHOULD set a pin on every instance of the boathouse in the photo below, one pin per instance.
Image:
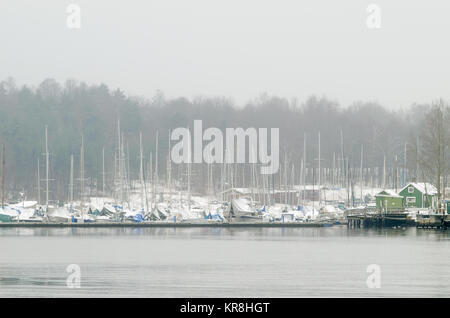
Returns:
(419, 195)
(389, 201)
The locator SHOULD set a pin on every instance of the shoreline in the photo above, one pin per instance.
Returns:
(162, 224)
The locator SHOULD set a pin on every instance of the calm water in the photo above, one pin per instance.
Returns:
(214, 262)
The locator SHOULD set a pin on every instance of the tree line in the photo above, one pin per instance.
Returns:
(74, 108)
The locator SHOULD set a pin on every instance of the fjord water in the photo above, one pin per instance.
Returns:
(224, 262)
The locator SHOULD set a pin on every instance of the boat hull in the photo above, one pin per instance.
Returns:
(5, 218)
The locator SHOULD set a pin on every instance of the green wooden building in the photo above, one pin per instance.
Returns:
(389, 201)
(419, 195)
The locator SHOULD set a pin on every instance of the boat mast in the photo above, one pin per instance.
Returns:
(156, 167)
(169, 171)
(152, 179)
(115, 175)
(285, 180)
(189, 174)
(361, 175)
(46, 167)
(223, 176)
(417, 159)
(304, 167)
(128, 176)
(257, 183)
(141, 170)
(343, 161)
(404, 168)
(71, 180)
(38, 183)
(3, 175)
(320, 197)
(119, 162)
(103, 171)
(211, 182)
(334, 176)
(264, 180)
(300, 182)
(291, 187)
(82, 174)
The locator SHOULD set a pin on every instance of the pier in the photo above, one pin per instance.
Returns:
(433, 221)
(379, 220)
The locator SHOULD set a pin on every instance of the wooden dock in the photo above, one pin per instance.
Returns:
(379, 220)
(433, 221)
(428, 221)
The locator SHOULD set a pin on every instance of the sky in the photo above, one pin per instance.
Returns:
(235, 48)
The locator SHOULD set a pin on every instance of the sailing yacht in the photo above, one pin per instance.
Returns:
(243, 210)
(8, 214)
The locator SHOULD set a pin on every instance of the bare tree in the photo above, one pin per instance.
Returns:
(435, 136)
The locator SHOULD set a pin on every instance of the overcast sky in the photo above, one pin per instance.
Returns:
(235, 48)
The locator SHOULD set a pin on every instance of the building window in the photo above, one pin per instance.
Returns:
(411, 199)
(410, 189)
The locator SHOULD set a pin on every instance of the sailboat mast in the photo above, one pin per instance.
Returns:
(300, 182)
(119, 161)
(71, 180)
(152, 179)
(38, 183)
(103, 171)
(46, 166)
(82, 174)
(361, 175)
(189, 174)
(141, 170)
(3, 175)
(343, 172)
(264, 180)
(334, 175)
(417, 159)
(291, 187)
(128, 175)
(320, 197)
(156, 165)
(156, 181)
(169, 171)
(304, 167)
(404, 168)
(223, 176)
(285, 179)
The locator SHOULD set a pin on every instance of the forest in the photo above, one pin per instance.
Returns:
(390, 136)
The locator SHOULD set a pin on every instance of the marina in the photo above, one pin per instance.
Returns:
(234, 195)
(161, 224)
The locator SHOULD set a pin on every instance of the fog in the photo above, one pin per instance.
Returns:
(236, 49)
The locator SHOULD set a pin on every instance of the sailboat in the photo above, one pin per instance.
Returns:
(59, 215)
(8, 215)
(14, 212)
(243, 210)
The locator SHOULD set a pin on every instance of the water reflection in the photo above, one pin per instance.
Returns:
(227, 232)
(224, 262)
